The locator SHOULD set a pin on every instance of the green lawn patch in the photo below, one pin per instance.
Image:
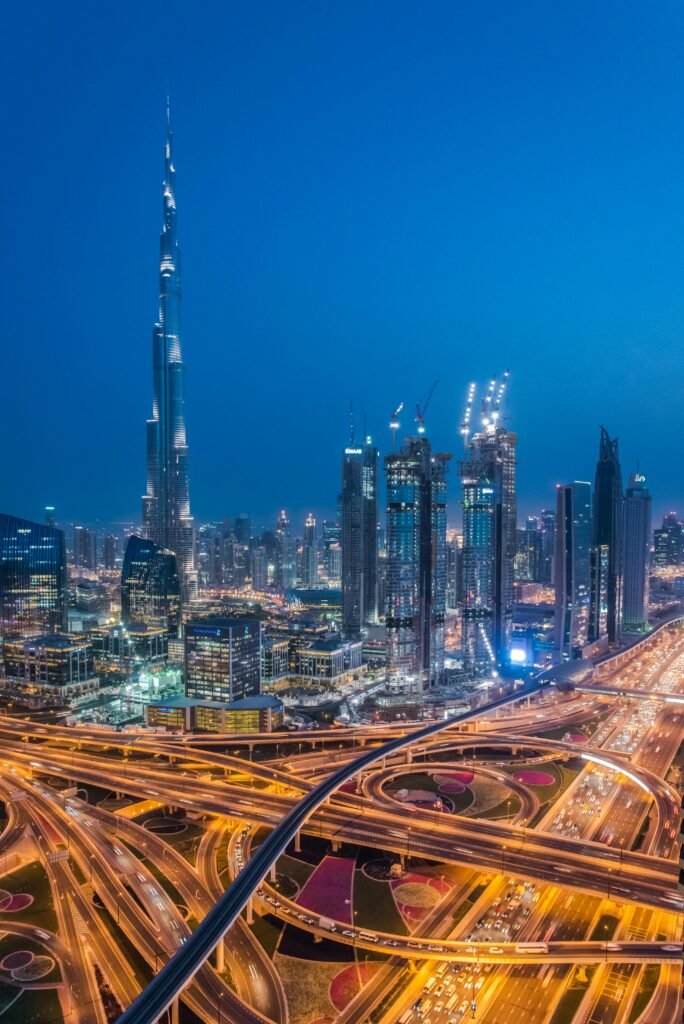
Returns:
(31, 878)
(267, 930)
(35, 1006)
(604, 928)
(295, 869)
(567, 1007)
(12, 943)
(375, 905)
(647, 984)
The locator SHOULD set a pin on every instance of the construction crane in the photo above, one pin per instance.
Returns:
(394, 423)
(422, 408)
(467, 413)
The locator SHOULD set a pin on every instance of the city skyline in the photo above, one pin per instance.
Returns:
(342, 626)
(252, 286)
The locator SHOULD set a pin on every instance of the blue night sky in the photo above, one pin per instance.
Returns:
(371, 196)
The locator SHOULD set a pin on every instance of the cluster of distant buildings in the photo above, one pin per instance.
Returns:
(424, 603)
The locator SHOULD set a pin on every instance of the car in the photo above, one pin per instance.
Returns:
(495, 949)
(668, 947)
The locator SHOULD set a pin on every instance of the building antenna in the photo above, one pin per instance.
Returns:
(351, 424)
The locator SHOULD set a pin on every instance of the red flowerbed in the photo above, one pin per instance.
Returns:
(349, 982)
(328, 887)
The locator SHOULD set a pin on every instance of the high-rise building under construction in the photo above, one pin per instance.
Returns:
(416, 585)
(489, 535)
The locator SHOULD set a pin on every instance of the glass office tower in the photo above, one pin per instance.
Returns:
(150, 586)
(33, 578)
(359, 537)
(572, 568)
(607, 542)
(489, 547)
(416, 585)
(223, 658)
(636, 536)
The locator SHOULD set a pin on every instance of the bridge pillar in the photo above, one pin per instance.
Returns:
(220, 957)
(298, 842)
(409, 755)
(250, 911)
(335, 845)
(174, 1011)
(272, 872)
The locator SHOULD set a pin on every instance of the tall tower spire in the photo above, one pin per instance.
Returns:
(166, 506)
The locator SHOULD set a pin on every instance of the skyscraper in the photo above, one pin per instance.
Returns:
(111, 546)
(572, 568)
(416, 565)
(668, 542)
(636, 538)
(285, 575)
(33, 578)
(359, 536)
(548, 531)
(489, 538)
(150, 586)
(85, 548)
(607, 534)
(310, 553)
(166, 506)
(223, 658)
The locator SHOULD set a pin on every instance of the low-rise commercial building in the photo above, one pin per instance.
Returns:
(261, 713)
(54, 668)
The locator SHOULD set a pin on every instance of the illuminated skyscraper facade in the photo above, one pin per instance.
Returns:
(489, 547)
(606, 598)
(572, 568)
(166, 506)
(416, 585)
(285, 575)
(636, 537)
(33, 578)
(309, 553)
(359, 537)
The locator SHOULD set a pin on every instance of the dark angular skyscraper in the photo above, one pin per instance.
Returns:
(150, 586)
(166, 506)
(607, 541)
(359, 536)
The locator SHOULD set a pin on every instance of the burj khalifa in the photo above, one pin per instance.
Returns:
(166, 506)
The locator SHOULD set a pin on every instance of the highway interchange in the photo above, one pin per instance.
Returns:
(548, 879)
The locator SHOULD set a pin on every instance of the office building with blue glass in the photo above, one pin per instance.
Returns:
(33, 578)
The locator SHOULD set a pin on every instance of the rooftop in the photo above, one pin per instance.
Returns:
(222, 622)
(259, 703)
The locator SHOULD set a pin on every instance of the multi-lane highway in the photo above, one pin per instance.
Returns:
(600, 850)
